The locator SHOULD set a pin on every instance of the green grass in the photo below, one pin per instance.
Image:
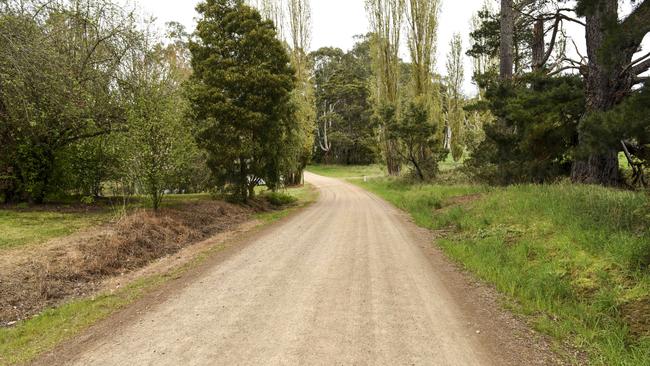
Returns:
(573, 259)
(30, 338)
(25, 226)
(352, 171)
(302, 196)
(21, 228)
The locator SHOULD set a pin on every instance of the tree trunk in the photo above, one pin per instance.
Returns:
(506, 44)
(605, 86)
(538, 45)
(392, 160)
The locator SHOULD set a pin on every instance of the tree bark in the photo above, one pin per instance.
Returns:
(538, 45)
(392, 159)
(506, 44)
(605, 86)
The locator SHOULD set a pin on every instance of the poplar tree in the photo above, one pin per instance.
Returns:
(455, 112)
(301, 138)
(419, 129)
(386, 21)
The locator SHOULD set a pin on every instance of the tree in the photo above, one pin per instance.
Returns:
(344, 105)
(240, 95)
(506, 44)
(455, 112)
(422, 20)
(302, 137)
(417, 133)
(386, 20)
(534, 131)
(61, 72)
(159, 144)
(610, 76)
(484, 44)
(421, 152)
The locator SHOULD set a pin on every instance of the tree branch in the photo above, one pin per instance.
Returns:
(641, 68)
(563, 69)
(641, 80)
(637, 24)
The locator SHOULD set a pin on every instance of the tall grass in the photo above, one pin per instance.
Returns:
(575, 259)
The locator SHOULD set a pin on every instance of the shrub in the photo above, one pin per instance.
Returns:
(280, 199)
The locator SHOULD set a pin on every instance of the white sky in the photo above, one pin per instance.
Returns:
(336, 22)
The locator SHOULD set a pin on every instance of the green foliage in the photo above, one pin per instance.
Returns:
(417, 136)
(159, 143)
(456, 120)
(627, 121)
(240, 95)
(534, 133)
(574, 259)
(343, 103)
(280, 198)
(59, 69)
(68, 74)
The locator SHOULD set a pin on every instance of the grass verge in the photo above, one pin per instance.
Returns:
(573, 259)
(28, 339)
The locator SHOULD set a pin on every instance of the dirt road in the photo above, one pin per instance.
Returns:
(346, 282)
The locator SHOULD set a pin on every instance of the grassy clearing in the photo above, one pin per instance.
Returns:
(20, 228)
(28, 339)
(28, 226)
(302, 196)
(574, 259)
(352, 171)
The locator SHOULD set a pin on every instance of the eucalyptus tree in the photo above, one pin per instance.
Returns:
(386, 21)
(346, 132)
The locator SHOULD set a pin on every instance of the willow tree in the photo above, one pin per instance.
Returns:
(386, 20)
(455, 112)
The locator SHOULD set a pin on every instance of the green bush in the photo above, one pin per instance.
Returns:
(280, 199)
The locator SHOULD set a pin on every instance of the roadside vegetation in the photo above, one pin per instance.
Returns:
(42, 310)
(573, 259)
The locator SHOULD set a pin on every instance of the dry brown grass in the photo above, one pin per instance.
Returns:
(78, 266)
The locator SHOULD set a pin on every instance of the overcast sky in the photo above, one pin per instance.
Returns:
(336, 22)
